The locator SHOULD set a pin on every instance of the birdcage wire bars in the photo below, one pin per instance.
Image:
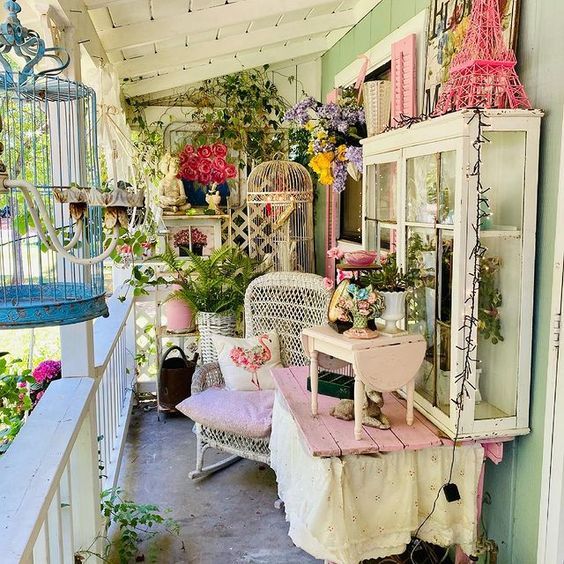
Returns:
(280, 215)
(49, 139)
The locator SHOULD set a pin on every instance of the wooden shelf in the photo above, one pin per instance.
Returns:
(162, 332)
(349, 267)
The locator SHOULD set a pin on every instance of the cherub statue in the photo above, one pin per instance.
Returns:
(171, 190)
(371, 414)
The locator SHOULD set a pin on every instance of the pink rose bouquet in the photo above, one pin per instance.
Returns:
(206, 164)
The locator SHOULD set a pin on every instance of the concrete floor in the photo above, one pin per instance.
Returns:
(226, 518)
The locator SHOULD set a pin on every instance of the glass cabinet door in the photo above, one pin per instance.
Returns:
(499, 303)
(430, 188)
(429, 212)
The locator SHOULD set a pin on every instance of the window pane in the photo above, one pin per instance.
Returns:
(351, 211)
(503, 171)
(385, 184)
(447, 186)
(387, 239)
(499, 320)
(422, 186)
(421, 318)
(430, 252)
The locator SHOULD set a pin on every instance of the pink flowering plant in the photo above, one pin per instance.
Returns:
(14, 398)
(43, 374)
(192, 235)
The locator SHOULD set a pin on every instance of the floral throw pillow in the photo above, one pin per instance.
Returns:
(246, 363)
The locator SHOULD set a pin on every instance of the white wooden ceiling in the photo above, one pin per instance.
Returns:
(158, 45)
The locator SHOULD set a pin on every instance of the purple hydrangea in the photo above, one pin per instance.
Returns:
(354, 155)
(300, 112)
(320, 146)
(339, 169)
(333, 116)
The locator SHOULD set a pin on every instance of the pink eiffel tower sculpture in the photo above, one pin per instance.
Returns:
(482, 73)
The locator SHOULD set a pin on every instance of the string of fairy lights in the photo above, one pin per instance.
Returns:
(470, 323)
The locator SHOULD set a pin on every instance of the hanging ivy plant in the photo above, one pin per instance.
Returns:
(244, 110)
(148, 140)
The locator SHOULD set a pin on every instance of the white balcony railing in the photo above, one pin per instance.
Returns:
(50, 479)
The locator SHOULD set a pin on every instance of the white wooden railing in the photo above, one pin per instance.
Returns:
(114, 355)
(50, 479)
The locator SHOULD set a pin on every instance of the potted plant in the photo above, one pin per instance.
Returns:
(214, 288)
(392, 283)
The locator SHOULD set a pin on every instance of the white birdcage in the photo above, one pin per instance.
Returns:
(280, 210)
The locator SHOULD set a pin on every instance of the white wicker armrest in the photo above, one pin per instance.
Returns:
(207, 376)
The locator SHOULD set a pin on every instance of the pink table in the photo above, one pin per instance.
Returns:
(324, 435)
(384, 364)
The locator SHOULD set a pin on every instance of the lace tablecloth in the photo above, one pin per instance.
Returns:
(355, 507)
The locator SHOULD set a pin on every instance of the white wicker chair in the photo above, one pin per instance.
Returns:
(286, 302)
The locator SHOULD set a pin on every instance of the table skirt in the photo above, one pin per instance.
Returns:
(347, 509)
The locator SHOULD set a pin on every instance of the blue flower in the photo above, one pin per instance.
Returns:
(357, 292)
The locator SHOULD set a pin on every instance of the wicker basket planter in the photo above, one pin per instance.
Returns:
(377, 96)
(213, 324)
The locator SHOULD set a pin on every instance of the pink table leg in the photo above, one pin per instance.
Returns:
(358, 407)
(313, 374)
(410, 398)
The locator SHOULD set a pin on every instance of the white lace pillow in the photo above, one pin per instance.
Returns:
(246, 363)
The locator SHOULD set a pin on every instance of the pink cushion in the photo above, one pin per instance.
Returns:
(239, 412)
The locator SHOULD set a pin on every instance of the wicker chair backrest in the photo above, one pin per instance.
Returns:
(286, 302)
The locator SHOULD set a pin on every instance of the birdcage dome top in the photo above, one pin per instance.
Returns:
(43, 89)
(279, 176)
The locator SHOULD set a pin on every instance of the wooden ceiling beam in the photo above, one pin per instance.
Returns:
(240, 62)
(200, 21)
(200, 52)
(95, 4)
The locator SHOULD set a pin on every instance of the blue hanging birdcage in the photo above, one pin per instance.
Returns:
(51, 212)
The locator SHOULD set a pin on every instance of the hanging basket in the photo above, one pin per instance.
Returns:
(210, 324)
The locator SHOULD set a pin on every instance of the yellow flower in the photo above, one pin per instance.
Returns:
(340, 153)
(310, 125)
(332, 139)
(326, 177)
(322, 134)
(321, 165)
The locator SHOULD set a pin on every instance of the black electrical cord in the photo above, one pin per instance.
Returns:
(470, 325)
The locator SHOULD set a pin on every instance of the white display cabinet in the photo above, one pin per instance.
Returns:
(420, 200)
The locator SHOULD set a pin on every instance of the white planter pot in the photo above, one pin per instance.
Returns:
(394, 311)
(210, 324)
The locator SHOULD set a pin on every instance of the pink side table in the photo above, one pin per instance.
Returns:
(384, 364)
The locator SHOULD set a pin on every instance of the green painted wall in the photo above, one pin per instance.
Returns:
(514, 486)
(380, 22)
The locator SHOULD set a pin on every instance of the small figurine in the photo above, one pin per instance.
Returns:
(372, 415)
(213, 199)
(171, 190)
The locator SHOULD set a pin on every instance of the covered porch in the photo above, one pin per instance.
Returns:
(337, 219)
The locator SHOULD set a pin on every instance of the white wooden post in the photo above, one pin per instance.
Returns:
(77, 350)
(85, 486)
